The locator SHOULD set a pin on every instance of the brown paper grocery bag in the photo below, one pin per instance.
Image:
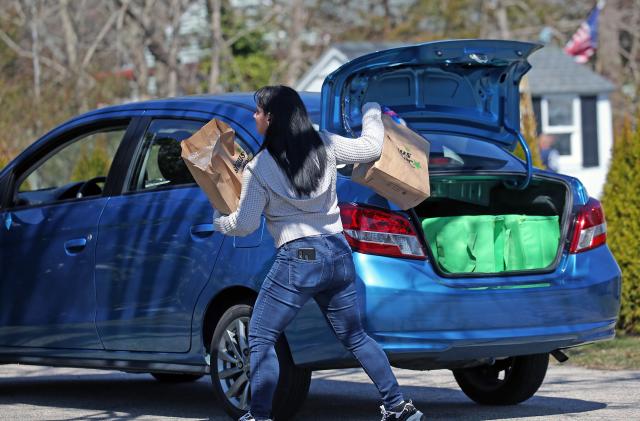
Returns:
(401, 173)
(216, 162)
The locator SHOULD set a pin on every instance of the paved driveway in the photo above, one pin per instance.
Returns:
(45, 393)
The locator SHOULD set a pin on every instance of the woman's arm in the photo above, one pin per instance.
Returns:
(365, 148)
(246, 219)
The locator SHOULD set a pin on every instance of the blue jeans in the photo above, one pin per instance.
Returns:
(330, 281)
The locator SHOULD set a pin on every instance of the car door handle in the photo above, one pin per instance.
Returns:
(8, 220)
(202, 230)
(75, 246)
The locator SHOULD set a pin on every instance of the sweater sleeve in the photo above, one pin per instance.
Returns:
(246, 219)
(365, 148)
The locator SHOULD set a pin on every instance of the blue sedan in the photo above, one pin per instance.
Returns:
(109, 258)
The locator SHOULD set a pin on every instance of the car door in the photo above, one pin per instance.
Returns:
(156, 248)
(48, 237)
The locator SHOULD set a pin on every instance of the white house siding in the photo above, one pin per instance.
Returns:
(594, 178)
(316, 84)
(330, 61)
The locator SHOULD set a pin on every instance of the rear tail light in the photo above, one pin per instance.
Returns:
(591, 229)
(379, 231)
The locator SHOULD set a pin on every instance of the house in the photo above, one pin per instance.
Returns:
(570, 101)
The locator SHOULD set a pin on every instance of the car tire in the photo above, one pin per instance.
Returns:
(176, 377)
(293, 383)
(507, 382)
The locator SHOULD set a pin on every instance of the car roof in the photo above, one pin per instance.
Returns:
(204, 102)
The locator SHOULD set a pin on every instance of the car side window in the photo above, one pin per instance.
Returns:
(160, 162)
(61, 175)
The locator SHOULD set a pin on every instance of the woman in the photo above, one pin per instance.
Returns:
(292, 178)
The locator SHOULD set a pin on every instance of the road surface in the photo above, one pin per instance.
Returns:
(47, 393)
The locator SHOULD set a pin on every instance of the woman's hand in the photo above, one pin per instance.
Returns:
(370, 106)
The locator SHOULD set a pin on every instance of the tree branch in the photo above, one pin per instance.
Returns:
(70, 34)
(27, 54)
(103, 32)
(247, 30)
(155, 46)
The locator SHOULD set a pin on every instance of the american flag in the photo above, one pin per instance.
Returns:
(584, 42)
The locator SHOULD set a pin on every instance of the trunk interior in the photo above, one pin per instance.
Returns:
(478, 225)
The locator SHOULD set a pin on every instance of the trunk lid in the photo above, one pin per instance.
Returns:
(467, 87)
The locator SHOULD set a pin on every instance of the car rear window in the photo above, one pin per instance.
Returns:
(460, 153)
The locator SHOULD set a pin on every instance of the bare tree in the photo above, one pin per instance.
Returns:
(35, 51)
(215, 12)
(221, 43)
(155, 26)
(618, 55)
(294, 57)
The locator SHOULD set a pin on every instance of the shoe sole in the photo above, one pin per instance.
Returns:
(418, 416)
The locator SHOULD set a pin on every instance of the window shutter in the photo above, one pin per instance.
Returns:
(538, 113)
(589, 114)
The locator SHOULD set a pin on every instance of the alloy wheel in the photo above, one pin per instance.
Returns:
(233, 363)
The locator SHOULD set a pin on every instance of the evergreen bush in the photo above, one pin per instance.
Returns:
(528, 129)
(621, 203)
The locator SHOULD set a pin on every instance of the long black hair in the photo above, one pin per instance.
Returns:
(291, 139)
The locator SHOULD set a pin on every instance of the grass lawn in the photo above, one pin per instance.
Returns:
(621, 353)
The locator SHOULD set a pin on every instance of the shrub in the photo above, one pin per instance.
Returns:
(621, 203)
(91, 164)
(528, 130)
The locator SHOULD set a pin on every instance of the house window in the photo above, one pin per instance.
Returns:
(560, 117)
(560, 109)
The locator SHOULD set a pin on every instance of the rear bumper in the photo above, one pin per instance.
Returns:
(433, 352)
(577, 304)
(424, 321)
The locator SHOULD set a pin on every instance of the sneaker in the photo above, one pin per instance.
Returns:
(408, 413)
(249, 417)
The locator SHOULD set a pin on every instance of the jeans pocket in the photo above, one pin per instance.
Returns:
(306, 274)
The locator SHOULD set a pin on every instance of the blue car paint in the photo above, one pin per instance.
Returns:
(408, 308)
(154, 257)
(469, 318)
(48, 296)
(157, 251)
(49, 302)
(412, 311)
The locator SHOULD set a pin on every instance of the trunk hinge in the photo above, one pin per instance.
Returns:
(527, 163)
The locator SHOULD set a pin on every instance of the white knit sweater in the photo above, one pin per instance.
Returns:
(266, 188)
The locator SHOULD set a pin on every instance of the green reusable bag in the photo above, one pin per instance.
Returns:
(462, 243)
(532, 241)
(492, 243)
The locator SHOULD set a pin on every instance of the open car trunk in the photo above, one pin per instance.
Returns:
(464, 96)
(478, 225)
